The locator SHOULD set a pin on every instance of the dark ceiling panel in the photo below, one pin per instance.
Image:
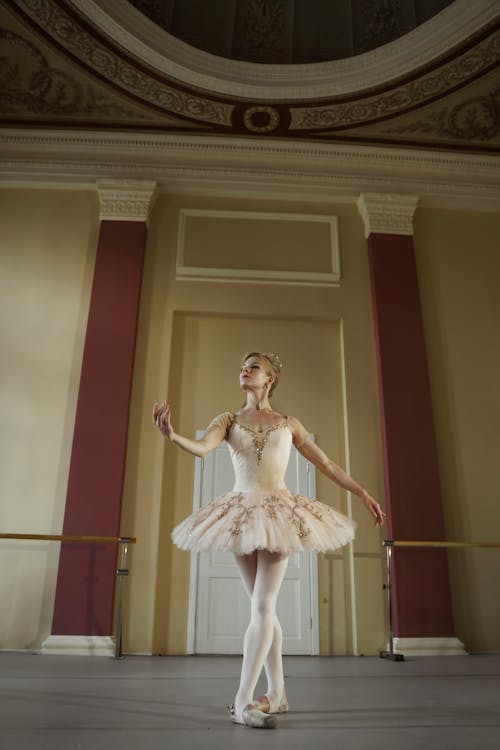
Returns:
(206, 25)
(329, 40)
(288, 31)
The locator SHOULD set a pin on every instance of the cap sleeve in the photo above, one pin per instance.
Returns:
(220, 425)
(299, 432)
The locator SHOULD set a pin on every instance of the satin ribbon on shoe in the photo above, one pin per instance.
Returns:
(264, 704)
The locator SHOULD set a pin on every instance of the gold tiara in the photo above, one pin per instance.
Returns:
(274, 360)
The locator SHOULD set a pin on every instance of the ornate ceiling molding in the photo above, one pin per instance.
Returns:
(402, 97)
(111, 65)
(471, 115)
(148, 42)
(40, 84)
(124, 90)
(387, 213)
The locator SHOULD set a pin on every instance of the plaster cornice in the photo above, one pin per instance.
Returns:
(207, 164)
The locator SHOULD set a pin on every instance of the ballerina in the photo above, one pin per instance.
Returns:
(261, 521)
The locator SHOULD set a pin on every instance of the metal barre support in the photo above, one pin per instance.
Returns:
(121, 572)
(390, 653)
(389, 544)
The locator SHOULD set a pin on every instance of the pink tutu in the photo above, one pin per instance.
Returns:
(278, 521)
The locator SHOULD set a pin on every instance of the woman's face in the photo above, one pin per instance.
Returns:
(254, 374)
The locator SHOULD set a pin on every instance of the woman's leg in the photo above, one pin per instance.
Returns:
(270, 569)
(273, 665)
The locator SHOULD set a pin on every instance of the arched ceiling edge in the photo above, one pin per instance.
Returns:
(155, 47)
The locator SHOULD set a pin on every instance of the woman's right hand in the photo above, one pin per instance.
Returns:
(161, 418)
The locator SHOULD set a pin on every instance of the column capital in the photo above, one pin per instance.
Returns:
(125, 200)
(386, 213)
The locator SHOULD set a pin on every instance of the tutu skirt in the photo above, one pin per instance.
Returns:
(281, 521)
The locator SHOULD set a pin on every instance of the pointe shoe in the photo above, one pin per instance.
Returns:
(252, 717)
(263, 704)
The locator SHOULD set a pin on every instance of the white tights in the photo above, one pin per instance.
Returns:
(262, 574)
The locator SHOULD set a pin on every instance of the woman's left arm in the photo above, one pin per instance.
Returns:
(315, 455)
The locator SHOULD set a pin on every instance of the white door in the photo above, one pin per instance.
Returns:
(219, 609)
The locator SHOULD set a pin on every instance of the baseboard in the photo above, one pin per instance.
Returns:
(79, 645)
(429, 646)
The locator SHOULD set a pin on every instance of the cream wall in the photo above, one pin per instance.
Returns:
(458, 261)
(47, 248)
(191, 336)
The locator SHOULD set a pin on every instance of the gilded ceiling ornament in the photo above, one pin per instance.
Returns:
(261, 119)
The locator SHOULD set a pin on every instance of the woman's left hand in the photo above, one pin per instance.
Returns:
(373, 508)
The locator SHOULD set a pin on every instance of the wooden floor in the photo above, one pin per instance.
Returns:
(170, 703)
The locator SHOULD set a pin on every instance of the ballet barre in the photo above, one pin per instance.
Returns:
(389, 545)
(121, 572)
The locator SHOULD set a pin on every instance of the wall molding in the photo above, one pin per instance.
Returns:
(78, 645)
(187, 272)
(429, 646)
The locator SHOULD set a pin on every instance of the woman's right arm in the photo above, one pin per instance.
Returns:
(213, 436)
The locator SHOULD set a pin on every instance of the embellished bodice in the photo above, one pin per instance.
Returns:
(259, 459)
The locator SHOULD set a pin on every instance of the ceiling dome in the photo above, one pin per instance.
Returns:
(288, 31)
